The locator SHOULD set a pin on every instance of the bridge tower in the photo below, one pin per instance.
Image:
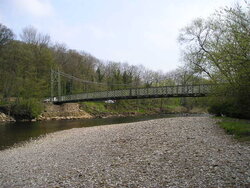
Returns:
(55, 85)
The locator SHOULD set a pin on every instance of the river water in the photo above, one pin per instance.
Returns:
(19, 132)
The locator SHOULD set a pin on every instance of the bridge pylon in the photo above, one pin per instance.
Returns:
(55, 85)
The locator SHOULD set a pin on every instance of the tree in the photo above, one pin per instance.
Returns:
(100, 75)
(6, 35)
(31, 36)
(220, 47)
(32, 59)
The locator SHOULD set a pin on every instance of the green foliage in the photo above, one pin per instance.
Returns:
(31, 78)
(229, 108)
(220, 108)
(6, 35)
(239, 128)
(137, 106)
(94, 107)
(219, 47)
(26, 109)
(230, 101)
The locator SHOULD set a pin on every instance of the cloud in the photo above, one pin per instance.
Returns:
(37, 8)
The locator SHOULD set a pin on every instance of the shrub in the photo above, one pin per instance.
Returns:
(26, 109)
(227, 108)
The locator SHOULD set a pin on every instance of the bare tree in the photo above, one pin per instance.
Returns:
(31, 36)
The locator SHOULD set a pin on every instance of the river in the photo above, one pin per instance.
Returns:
(15, 133)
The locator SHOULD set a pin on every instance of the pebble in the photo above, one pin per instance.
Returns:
(170, 152)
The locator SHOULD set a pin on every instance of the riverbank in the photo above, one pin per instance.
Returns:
(6, 118)
(86, 110)
(178, 152)
(67, 111)
(238, 127)
(136, 108)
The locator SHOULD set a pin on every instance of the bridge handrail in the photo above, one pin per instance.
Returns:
(133, 92)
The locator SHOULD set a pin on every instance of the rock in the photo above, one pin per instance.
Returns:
(6, 118)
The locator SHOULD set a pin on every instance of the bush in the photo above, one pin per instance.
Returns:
(227, 108)
(220, 108)
(231, 101)
(26, 109)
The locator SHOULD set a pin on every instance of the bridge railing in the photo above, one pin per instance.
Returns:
(163, 91)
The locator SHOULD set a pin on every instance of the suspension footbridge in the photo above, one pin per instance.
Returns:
(57, 97)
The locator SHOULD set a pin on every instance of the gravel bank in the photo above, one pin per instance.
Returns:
(172, 152)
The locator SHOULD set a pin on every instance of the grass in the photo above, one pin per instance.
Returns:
(95, 107)
(131, 106)
(135, 107)
(239, 128)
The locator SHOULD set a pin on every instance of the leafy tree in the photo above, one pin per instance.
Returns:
(100, 75)
(6, 35)
(219, 46)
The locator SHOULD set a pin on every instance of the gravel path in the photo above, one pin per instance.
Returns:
(171, 152)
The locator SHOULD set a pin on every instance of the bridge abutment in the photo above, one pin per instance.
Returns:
(63, 111)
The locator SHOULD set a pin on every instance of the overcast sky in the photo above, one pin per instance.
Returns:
(134, 31)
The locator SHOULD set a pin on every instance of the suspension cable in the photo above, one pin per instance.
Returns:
(87, 81)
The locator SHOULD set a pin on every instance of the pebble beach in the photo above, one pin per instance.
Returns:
(169, 152)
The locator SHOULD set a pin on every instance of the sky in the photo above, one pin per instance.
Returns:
(134, 31)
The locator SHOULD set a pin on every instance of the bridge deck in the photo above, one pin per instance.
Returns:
(138, 93)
